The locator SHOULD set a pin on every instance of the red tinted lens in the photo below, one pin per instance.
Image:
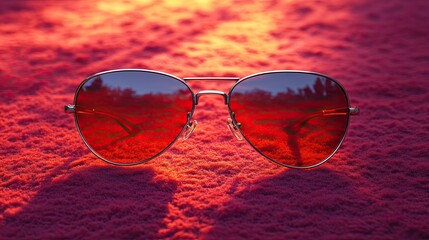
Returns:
(295, 119)
(127, 117)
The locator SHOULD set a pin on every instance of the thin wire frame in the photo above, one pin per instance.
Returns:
(228, 101)
(134, 70)
(290, 71)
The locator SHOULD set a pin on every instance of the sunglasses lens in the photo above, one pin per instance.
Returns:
(295, 119)
(128, 117)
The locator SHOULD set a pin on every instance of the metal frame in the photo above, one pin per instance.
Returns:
(227, 99)
(210, 92)
(355, 110)
(68, 108)
(212, 78)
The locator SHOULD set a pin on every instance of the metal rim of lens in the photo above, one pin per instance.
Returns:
(290, 71)
(132, 70)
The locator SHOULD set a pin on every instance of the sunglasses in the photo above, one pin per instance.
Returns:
(296, 119)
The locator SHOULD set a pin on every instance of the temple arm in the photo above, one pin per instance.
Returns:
(129, 127)
(295, 126)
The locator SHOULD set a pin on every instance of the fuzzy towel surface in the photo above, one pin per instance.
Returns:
(212, 186)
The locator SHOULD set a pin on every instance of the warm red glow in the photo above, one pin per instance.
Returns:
(125, 126)
(212, 186)
(289, 126)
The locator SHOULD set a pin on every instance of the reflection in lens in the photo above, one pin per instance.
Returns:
(295, 119)
(128, 117)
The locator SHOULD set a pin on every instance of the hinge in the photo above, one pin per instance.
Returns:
(354, 111)
(69, 108)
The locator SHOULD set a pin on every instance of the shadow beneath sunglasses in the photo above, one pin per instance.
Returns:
(102, 202)
(295, 204)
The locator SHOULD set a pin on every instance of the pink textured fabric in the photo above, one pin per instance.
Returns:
(212, 186)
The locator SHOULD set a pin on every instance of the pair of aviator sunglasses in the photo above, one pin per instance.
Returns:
(296, 119)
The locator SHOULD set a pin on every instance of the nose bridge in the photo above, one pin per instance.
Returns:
(211, 92)
(233, 127)
(208, 92)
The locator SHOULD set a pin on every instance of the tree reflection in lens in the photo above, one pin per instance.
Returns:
(130, 116)
(296, 119)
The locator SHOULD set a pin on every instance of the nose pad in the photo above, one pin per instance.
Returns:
(190, 128)
(234, 129)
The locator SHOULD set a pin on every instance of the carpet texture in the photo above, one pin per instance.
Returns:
(212, 186)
